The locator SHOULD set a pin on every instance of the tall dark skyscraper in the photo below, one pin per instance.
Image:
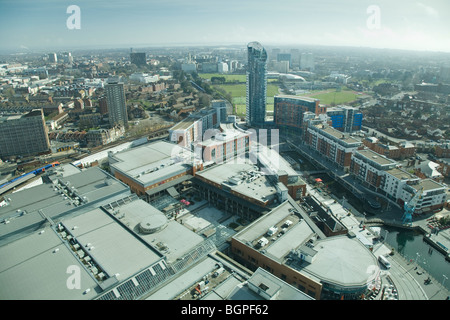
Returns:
(117, 106)
(256, 84)
(138, 58)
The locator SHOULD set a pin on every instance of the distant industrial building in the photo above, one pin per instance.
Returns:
(208, 67)
(280, 66)
(307, 61)
(285, 57)
(144, 77)
(222, 67)
(189, 67)
(256, 84)
(24, 134)
(52, 57)
(41, 72)
(116, 102)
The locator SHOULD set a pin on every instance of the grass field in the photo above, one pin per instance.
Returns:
(335, 97)
(239, 90)
(238, 93)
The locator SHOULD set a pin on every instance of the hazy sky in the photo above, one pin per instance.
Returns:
(400, 24)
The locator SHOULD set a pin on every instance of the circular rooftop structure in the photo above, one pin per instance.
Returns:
(153, 223)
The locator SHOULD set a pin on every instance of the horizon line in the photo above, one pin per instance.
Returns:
(24, 49)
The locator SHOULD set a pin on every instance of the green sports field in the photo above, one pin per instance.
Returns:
(238, 93)
(336, 97)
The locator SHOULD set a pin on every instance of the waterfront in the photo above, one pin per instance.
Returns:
(411, 246)
(407, 243)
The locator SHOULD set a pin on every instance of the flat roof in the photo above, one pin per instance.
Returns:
(133, 213)
(26, 209)
(376, 157)
(184, 280)
(184, 124)
(342, 261)
(273, 161)
(228, 133)
(152, 162)
(297, 233)
(260, 188)
(37, 268)
(401, 174)
(297, 98)
(428, 184)
(338, 134)
(275, 287)
(111, 245)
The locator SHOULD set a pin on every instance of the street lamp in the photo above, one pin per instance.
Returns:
(385, 237)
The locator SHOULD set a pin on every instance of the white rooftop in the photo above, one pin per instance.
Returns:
(173, 239)
(151, 162)
(243, 178)
(342, 261)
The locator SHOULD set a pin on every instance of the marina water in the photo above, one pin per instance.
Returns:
(411, 246)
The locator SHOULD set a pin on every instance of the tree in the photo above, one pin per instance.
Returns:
(9, 93)
(204, 100)
(172, 101)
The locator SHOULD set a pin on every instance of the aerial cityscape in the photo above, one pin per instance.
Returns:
(203, 151)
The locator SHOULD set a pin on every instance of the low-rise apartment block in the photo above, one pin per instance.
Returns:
(333, 144)
(369, 167)
(382, 175)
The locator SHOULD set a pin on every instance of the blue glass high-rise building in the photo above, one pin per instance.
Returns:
(256, 84)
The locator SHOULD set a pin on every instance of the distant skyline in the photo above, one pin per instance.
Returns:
(401, 24)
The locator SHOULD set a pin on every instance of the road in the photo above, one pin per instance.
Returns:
(410, 284)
